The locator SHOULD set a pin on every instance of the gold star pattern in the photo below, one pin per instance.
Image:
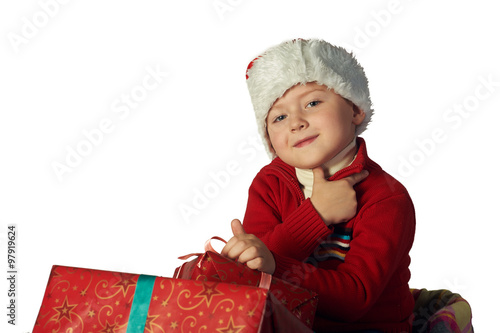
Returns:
(231, 328)
(149, 322)
(126, 281)
(91, 313)
(209, 291)
(174, 325)
(65, 310)
(108, 329)
(54, 274)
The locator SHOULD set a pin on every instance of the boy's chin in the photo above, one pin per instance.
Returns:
(307, 165)
(310, 162)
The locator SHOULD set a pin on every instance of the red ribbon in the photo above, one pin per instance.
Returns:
(265, 279)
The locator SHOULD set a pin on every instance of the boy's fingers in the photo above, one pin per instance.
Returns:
(233, 248)
(319, 174)
(237, 227)
(357, 177)
(229, 245)
(256, 263)
(247, 254)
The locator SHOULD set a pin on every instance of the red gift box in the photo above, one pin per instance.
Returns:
(211, 266)
(91, 301)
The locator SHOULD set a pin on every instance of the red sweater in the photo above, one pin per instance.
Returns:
(359, 268)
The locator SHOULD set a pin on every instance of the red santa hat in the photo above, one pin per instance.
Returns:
(300, 61)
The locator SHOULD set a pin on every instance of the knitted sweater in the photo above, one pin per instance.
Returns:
(359, 268)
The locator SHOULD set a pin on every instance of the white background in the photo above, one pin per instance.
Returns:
(65, 69)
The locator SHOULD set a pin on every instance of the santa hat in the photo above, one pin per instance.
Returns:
(296, 61)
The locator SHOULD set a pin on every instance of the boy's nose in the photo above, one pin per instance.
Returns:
(297, 123)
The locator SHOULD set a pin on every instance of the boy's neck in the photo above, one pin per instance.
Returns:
(337, 163)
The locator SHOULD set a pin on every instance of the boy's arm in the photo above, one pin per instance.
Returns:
(299, 233)
(296, 235)
(381, 243)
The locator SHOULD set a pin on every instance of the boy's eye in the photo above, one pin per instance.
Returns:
(279, 118)
(313, 104)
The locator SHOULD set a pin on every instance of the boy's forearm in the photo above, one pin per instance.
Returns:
(297, 236)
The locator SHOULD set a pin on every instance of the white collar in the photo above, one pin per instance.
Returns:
(337, 163)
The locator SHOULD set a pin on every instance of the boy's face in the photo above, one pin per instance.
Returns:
(310, 124)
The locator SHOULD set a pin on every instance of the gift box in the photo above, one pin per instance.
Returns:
(211, 266)
(86, 300)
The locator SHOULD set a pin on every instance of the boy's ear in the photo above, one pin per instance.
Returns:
(358, 115)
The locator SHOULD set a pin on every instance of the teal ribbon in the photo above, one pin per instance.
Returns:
(140, 304)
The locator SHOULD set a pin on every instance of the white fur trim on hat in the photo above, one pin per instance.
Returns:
(292, 62)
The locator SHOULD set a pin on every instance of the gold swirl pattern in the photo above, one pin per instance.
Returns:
(219, 306)
(214, 267)
(199, 306)
(82, 300)
(122, 283)
(191, 325)
(56, 286)
(82, 277)
(202, 327)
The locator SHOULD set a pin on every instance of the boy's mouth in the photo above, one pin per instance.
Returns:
(304, 142)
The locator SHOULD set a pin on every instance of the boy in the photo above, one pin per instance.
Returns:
(322, 215)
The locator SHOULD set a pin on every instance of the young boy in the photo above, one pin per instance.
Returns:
(322, 215)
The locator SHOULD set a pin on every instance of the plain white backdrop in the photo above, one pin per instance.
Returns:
(127, 136)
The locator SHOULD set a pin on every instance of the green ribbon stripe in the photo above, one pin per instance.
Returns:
(140, 304)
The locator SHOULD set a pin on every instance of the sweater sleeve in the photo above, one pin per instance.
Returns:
(382, 239)
(295, 235)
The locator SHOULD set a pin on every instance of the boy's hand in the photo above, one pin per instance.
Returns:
(247, 248)
(335, 201)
